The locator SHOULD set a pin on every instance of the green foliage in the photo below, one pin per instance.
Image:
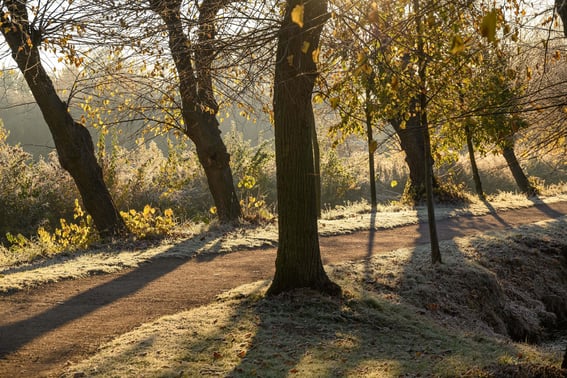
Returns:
(336, 179)
(149, 223)
(253, 168)
(254, 207)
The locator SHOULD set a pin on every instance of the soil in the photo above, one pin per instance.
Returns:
(45, 329)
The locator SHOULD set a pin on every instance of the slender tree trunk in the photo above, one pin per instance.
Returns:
(316, 168)
(433, 237)
(298, 262)
(517, 172)
(474, 167)
(73, 142)
(371, 150)
(197, 98)
(428, 160)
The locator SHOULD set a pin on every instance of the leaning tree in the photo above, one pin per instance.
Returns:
(25, 26)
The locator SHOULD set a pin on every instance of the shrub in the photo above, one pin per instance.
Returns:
(149, 223)
(32, 193)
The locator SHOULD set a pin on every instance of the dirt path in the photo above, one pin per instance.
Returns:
(43, 330)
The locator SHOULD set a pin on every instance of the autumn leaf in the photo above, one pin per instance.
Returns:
(334, 102)
(290, 59)
(297, 15)
(372, 146)
(305, 47)
(488, 26)
(394, 183)
(457, 45)
(315, 55)
(529, 73)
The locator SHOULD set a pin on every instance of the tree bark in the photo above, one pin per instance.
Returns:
(371, 150)
(72, 140)
(474, 167)
(316, 168)
(517, 172)
(413, 144)
(421, 114)
(199, 107)
(298, 262)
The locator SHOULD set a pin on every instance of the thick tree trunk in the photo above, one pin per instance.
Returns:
(72, 141)
(215, 160)
(517, 172)
(197, 98)
(413, 144)
(298, 262)
(474, 167)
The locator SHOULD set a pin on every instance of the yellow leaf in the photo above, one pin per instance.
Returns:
(334, 102)
(297, 15)
(488, 26)
(305, 47)
(372, 146)
(315, 55)
(290, 60)
(457, 45)
(394, 183)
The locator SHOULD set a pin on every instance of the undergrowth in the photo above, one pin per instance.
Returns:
(149, 184)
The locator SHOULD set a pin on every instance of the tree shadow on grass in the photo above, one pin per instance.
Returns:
(16, 334)
(307, 334)
(490, 285)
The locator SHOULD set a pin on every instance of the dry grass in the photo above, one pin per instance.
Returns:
(399, 316)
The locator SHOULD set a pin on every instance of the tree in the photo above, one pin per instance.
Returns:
(199, 107)
(502, 118)
(298, 262)
(72, 140)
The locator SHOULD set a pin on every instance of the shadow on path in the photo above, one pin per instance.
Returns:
(82, 309)
(14, 335)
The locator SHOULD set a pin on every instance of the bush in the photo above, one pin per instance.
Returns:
(32, 193)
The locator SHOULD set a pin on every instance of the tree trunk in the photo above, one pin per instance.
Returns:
(197, 99)
(421, 114)
(474, 167)
(72, 140)
(413, 144)
(564, 363)
(371, 150)
(298, 262)
(316, 168)
(517, 172)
